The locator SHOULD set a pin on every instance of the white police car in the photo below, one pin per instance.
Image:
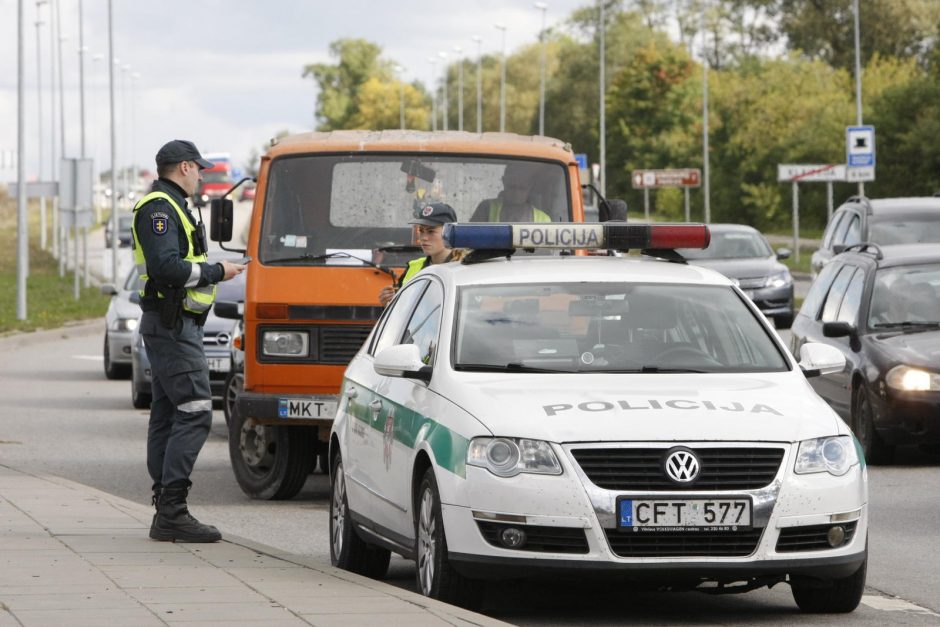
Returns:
(517, 417)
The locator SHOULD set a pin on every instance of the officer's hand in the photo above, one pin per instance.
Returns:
(231, 270)
(387, 293)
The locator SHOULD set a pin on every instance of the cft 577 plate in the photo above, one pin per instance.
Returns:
(687, 514)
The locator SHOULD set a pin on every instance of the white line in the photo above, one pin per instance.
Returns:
(895, 604)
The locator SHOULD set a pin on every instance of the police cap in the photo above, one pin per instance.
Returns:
(435, 214)
(180, 150)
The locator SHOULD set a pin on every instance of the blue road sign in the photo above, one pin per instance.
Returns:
(860, 146)
(581, 158)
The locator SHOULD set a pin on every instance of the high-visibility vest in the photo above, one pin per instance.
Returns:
(198, 299)
(496, 207)
(414, 267)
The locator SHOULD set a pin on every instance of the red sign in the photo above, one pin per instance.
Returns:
(652, 179)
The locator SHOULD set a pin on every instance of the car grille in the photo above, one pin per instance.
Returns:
(642, 468)
(683, 543)
(543, 539)
(811, 537)
(751, 283)
(339, 344)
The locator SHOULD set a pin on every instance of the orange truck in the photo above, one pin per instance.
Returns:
(329, 230)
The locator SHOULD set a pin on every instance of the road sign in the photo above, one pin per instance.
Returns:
(35, 189)
(652, 179)
(860, 146)
(860, 175)
(582, 160)
(810, 173)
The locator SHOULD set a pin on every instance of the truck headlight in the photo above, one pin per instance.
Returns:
(285, 343)
(907, 379)
(834, 454)
(778, 279)
(507, 457)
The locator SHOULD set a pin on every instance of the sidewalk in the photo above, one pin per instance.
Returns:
(73, 555)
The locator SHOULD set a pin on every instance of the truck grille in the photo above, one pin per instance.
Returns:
(811, 537)
(339, 344)
(641, 469)
(683, 544)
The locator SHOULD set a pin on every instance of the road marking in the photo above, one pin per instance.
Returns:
(89, 357)
(894, 604)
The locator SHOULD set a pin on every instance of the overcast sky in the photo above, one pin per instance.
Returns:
(226, 75)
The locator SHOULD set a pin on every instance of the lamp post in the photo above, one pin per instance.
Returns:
(602, 104)
(443, 56)
(42, 199)
(706, 185)
(22, 234)
(401, 97)
(502, 80)
(94, 144)
(479, 41)
(858, 82)
(125, 119)
(114, 220)
(541, 6)
(459, 51)
(433, 90)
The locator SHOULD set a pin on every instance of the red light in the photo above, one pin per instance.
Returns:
(679, 236)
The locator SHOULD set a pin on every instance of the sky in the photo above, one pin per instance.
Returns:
(226, 75)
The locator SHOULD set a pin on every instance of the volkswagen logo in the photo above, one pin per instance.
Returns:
(682, 466)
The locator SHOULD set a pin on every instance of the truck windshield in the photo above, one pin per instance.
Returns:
(331, 209)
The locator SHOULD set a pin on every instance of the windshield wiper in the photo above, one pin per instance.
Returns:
(914, 325)
(344, 255)
(510, 367)
(659, 369)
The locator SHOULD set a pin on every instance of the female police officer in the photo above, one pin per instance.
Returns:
(177, 288)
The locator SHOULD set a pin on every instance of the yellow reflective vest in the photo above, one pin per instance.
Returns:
(496, 208)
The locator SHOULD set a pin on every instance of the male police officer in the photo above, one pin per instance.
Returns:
(177, 288)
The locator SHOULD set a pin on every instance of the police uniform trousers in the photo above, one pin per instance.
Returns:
(181, 410)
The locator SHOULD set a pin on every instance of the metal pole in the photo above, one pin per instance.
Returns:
(52, 143)
(432, 61)
(706, 181)
(459, 52)
(401, 97)
(602, 104)
(443, 56)
(114, 220)
(646, 204)
(796, 221)
(42, 199)
(858, 82)
(22, 248)
(688, 213)
(502, 81)
(479, 41)
(541, 6)
(63, 232)
(829, 201)
(81, 109)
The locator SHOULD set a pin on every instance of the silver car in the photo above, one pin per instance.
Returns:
(120, 322)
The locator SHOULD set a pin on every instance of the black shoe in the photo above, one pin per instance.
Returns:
(174, 523)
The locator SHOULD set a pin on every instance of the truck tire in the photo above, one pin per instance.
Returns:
(270, 462)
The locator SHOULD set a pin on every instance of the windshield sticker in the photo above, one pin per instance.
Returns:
(294, 241)
(602, 406)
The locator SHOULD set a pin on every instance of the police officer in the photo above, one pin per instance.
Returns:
(512, 204)
(177, 288)
(430, 227)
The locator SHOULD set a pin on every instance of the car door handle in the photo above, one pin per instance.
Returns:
(375, 405)
(351, 393)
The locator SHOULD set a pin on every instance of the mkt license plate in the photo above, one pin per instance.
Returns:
(684, 513)
(219, 364)
(305, 408)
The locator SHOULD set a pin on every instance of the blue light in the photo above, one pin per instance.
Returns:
(478, 236)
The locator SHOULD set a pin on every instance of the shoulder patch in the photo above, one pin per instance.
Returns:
(159, 222)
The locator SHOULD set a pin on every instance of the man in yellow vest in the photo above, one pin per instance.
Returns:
(177, 288)
(429, 223)
(513, 203)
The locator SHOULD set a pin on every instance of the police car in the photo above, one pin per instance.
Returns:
(520, 415)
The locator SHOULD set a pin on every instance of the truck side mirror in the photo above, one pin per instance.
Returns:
(220, 220)
(612, 209)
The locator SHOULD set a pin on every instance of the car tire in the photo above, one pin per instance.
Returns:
(874, 448)
(234, 384)
(270, 462)
(434, 575)
(347, 550)
(111, 369)
(140, 400)
(835, 596)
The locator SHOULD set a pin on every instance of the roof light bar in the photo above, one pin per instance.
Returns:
(560, 235)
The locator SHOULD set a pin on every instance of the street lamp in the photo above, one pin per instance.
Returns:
(706, 186)
(502, 80)
(42, 199)
(401, 97)
(602, 27)
(541, 6)
(858, 84)
(459, 50)
(125, 118)
(433, 61)
(479, 41)
(443, 56)
(114, 220)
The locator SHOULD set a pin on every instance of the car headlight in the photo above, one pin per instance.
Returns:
(778, 279)
(908, 379)
(124, 324)
(285, 343)
(834, 454)
(507, 457)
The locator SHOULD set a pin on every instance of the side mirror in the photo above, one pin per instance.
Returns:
(402, 360)
(837, 329)
(612, 209)
(134, 297)
(108, 290)
(818, 359)
(227, 309)
(838, 248)
(784, 253)
(220, 220)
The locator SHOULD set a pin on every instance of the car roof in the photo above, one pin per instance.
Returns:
(897, 254)
(892, 207)
(575, 269)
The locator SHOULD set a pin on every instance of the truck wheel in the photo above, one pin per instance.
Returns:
(270, 462)
(347, 550)
(836, 596)
(234, 384)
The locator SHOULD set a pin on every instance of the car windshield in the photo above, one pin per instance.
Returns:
(923, 228)
(905, 295)
(610, 327)
(215, 177)
(318, 206)
(731, 245)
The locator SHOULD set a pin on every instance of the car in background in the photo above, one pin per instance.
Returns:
(247, 192)
(883, 221)
(119, 324)
(125, 234)
(880, 306)
(217, 338)
(743, 255)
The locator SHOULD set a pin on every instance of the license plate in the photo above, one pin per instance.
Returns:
(686, 514)
(306, 408)
(220, 364)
